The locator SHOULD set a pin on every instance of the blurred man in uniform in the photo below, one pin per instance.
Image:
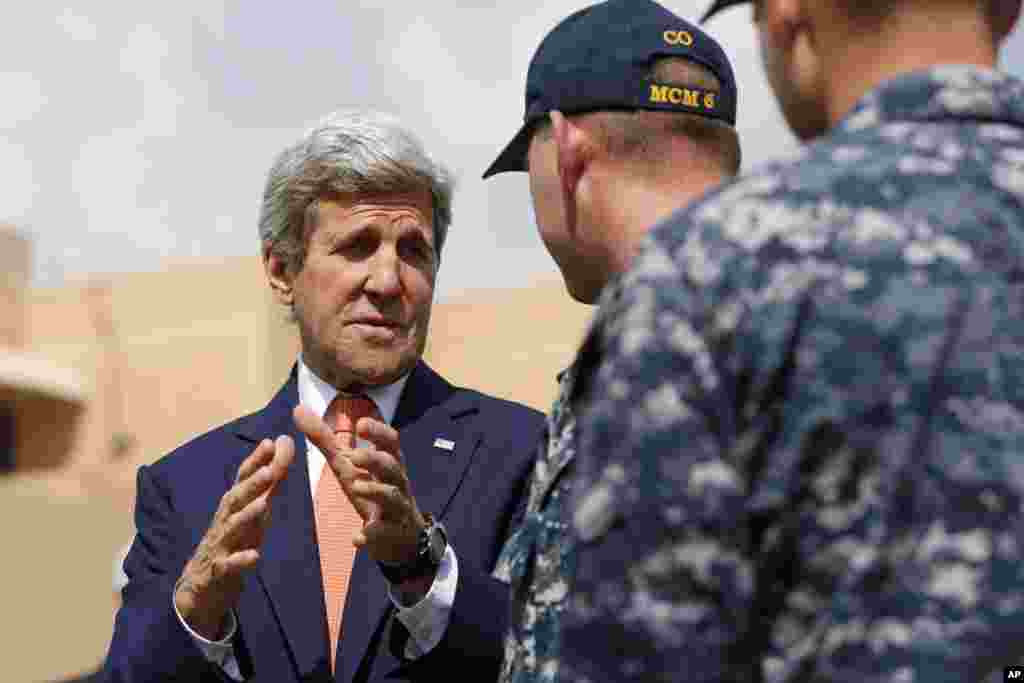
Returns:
(801, 413)
(629, 115)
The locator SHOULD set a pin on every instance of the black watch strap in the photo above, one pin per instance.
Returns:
(430, 548)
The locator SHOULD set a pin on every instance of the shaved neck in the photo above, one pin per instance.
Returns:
(631, 203)
(914, 35)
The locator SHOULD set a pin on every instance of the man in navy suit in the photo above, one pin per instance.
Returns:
(226, 572)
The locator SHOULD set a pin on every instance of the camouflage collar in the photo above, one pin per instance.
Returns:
(941, 94)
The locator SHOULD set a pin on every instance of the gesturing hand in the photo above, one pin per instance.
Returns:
(376, 482)
(211, 581)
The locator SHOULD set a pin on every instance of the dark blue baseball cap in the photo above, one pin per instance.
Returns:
(600, 58)
(719, 5)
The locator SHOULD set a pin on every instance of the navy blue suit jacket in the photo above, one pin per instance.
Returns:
(477, 489)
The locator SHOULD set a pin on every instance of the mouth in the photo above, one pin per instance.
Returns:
(376, 323)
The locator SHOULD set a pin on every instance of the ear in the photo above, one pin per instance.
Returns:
(278, 276)
(783, 20)
(572, 157)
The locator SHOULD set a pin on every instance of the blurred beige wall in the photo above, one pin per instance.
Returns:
(168, 355)
(15, 260)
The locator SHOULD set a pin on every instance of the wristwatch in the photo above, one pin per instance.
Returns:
(430, 547)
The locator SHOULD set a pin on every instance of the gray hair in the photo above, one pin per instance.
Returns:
(347, 154)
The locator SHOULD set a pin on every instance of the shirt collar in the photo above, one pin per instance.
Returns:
(941, 93)
(316, 394)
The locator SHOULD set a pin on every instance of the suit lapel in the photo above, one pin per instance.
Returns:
(429, 409)
(289, 568)
(431, 416)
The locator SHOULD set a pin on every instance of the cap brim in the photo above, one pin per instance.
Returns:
(720, 5)
(513, 157)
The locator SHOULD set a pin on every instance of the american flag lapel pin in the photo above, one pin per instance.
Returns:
(444, 444)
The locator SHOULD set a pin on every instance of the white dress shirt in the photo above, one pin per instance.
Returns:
(427, 619)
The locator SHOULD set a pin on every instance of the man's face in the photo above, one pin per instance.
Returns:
(581, 274)
(362, 299)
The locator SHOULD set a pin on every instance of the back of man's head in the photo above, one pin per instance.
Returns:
(823, 56)
(657, 143)
(648, 79)
(1000, 14)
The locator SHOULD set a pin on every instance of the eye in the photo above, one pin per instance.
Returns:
(416, 249)
(358, 246)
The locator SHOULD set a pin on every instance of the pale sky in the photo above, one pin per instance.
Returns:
(139, 134)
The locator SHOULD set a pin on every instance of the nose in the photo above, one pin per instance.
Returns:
(384, 279)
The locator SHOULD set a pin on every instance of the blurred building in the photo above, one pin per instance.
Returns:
(39, 400)
(167, 355)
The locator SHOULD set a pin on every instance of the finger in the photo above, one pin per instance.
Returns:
(383, 436)
(242, 523)
(344, 469)
(236, 563)
(316, 430)
(244, 528)
(347, 475)
(384, 537)
(284, 455)
(244, 492)
(381, 466)
(390, 500)
(260, 456)
(379, 533)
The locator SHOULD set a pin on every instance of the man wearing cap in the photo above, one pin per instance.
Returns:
(629, 115)
(800, 415)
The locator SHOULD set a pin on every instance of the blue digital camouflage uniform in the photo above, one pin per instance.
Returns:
(537, 560)
(801, 415)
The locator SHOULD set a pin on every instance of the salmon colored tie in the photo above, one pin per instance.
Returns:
(337, 521)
